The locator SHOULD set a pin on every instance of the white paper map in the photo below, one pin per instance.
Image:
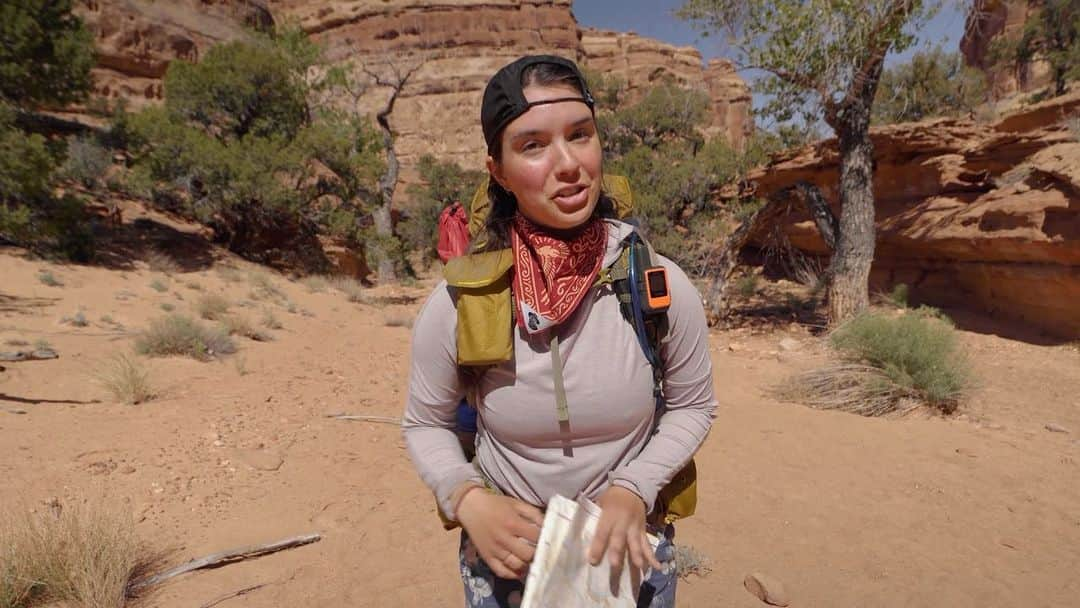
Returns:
(560, 575)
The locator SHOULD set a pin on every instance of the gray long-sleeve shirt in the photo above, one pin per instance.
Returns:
(611, 439)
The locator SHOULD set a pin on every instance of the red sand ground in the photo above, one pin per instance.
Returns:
(979, 509)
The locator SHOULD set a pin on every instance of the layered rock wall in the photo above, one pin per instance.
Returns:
(982, 216)
(642, 63)
(446, 48)
(989, 20)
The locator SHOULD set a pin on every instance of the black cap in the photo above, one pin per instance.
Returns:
(504, 99)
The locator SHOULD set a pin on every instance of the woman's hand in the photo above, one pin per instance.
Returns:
(622, 530)
(504, 530)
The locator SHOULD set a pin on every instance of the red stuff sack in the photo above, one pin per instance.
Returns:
(453, 232)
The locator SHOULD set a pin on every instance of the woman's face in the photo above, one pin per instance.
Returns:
(551, 159)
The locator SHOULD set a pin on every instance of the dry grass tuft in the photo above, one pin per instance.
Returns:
(159, 261)
(849, 387)
(47, 278)
(263, 286)
(689, 560)
(180, 335)
(158, 285)
(315, 283)
(76, 320)
(270, 321)
(890, 362)
(236, 325)
(86, 556)
(230, 274)
(126, 378)
(1073, 125)
(212, 306)
(353, 290)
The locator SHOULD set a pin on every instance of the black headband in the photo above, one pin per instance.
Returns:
(504, 97)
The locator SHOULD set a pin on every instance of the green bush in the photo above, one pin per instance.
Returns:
(916, 351)
(932, 83)
(180, 335)
(212, 306)
(237, 147)
(899, 295)
(87, 161)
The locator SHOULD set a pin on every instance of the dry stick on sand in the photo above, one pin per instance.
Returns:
(382, 419)
(229, 596)
(233, 555)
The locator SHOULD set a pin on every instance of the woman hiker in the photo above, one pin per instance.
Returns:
(573, 409)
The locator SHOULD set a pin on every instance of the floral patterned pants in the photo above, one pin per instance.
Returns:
(485, 590)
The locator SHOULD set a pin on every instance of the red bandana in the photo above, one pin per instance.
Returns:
(552, 276)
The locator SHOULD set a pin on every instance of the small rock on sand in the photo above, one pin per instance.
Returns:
(261, 460)
(766, 589)
(1055, 428)
(789, 344)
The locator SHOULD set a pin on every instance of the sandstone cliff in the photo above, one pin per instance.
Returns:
(447, 48)
(991, 19)
(644, 62)
(983, 216)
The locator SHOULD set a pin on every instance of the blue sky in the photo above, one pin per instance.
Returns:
(654, 18)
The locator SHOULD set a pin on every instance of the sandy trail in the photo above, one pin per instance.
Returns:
(981, 509)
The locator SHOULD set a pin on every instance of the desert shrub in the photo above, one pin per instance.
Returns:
(72, 555)
(42, 344)
(899, 295)
(48, 278)
(747, 286)
(915, 350)
(212, 306)
(1073, 125)
(87, 161)
(158, 285)
(236, 325)
(270, 321)
(353, 290)
(159, 261)
(932, 83)
(126, 379)
(263, 286)
(315, 283)
(168, 306)
(689, 560)
(238, 147)
(77, 320)
(179, 335)
(26, 165)
(45, 60)
(745, 209)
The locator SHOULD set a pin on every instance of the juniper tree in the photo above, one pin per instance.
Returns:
(823, 59)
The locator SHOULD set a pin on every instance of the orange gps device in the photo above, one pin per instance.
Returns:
(657, 293)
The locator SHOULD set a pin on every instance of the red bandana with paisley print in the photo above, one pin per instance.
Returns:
(552, 275)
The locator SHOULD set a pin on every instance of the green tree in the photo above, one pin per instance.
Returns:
(45, 58)
(1053, 35)
(46, 54)
(444, 182)
(657, 142)
(240, 145)
(823, 58)
(932, 83)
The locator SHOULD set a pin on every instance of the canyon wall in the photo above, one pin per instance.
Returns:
(983, 216)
